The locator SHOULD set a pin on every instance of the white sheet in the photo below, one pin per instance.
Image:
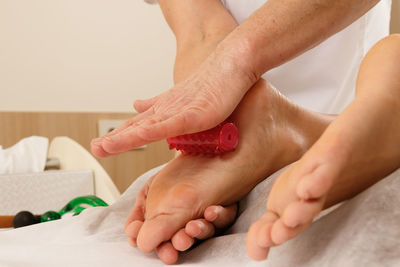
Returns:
(362, 232)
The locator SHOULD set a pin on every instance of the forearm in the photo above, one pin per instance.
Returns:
(194, 21)
(199, 26)
(283, 29)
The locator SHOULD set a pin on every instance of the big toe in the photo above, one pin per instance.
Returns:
(159, 229)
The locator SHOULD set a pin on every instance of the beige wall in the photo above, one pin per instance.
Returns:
(92, 55)
(74, 55)
(82, 127)
(395, 19)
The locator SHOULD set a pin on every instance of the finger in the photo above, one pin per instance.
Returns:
(182, 241)
(130, 137)
(221, 217)
(200, 229)
(97, 148)
(129, 123)
(167, 253)
(132, 122)
(143, 105)
(169, 127)
(97, 144)
(177, 123)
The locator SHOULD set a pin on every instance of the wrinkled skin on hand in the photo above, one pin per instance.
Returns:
(198, 103)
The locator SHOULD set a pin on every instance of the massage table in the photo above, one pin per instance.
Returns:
(363, 231)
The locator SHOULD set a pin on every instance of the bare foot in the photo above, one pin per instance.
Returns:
(216, 218)
(361, 146)
(272, 133)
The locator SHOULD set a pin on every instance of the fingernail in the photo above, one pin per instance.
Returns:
(97, 141)
(113, 138)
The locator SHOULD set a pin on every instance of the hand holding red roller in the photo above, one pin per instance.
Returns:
(220, 139)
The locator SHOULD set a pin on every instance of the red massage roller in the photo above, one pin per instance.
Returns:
(217, 140)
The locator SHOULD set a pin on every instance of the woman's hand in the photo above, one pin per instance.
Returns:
(209, 83)
(198, 103)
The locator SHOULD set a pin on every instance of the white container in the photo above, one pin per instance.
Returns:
(43, 191)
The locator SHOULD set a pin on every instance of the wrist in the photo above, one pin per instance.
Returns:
(235, 59)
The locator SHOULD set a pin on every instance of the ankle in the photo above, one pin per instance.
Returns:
(301, 128)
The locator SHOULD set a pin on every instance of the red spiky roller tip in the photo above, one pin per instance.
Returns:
(221, 139)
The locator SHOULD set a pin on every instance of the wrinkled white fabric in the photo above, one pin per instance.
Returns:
(363, 231)
(28, 155)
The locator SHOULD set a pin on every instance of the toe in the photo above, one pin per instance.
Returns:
(167, 253)
(221, 217)
(156, 230)
(264, 230)
(255, 251)
(317, 183)
(280, 233)
(200, 229)
(132, 242)
(181, 241)
(132, 229)
(301, 212)
(137, 213)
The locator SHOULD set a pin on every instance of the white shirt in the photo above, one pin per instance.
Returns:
(323, 78)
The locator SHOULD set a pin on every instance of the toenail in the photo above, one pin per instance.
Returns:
(199, 229)
(213, 216)
(291, 225)
(302, 192)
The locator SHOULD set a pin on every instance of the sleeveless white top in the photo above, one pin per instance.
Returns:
(323, 79)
